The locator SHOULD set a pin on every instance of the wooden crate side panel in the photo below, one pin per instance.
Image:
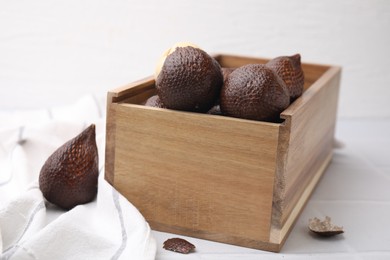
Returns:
(233, 61)
(312, 73)
(109, 166)
(279, 233)
(140, 98)
(133, 89)
(311, 130)
(161, 167)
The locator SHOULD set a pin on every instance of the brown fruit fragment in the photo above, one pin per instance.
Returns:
(154, 101)
(189, 80)
(290, 70)
(178, 245)
(254, 92)
(324, 228)
(69, 176)
(215, 110)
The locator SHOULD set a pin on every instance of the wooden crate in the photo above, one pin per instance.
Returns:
(219, 178)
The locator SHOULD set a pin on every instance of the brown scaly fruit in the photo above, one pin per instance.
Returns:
(69, 176)
(254, 92)
(216, 109)
(290, 70)
(189, 79)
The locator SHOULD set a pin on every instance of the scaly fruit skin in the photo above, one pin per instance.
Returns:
(190, 80)
(69, 176)
(226, 72)
(178, 245)
(290, 70)
(254, 92)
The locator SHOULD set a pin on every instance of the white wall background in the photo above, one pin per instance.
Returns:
(54, 52)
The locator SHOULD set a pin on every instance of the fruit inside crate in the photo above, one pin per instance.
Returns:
(236, 181)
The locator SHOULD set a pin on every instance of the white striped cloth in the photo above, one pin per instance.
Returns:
(110, 227)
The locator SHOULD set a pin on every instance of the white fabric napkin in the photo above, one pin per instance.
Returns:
(110, 227)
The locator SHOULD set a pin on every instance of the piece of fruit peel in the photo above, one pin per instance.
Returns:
(324, 228)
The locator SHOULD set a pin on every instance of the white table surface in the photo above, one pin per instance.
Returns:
(354, 192)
